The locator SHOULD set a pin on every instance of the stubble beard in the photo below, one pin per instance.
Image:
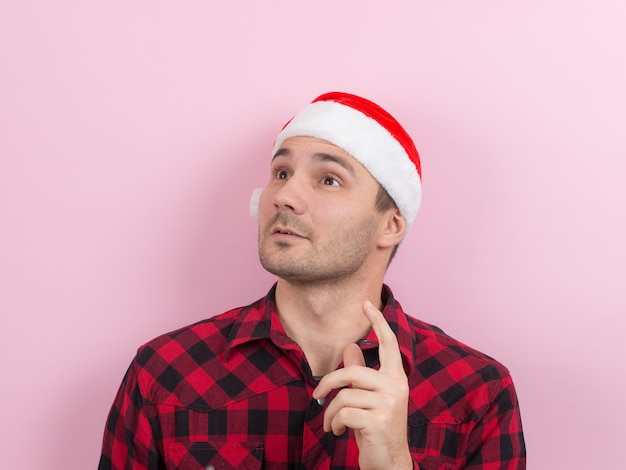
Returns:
(330, 262)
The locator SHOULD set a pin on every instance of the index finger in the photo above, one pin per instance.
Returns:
(388, 349)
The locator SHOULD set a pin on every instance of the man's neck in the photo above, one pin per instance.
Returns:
(324, 319)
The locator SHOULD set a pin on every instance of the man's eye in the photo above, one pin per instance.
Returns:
(281, 175)
(330, 181)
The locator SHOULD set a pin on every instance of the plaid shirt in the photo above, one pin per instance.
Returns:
(234, 392)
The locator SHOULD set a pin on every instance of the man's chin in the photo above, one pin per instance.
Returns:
(290, 270)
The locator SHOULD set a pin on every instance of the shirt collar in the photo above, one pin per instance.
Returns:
(254, 322)
(260, 321)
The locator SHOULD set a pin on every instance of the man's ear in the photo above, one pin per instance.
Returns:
(394, 229)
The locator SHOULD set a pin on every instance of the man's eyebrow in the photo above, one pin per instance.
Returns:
(282, 152)
(322, 157)
(327, 157)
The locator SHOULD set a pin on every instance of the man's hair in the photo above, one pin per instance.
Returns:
(383, 200)
(384, 203)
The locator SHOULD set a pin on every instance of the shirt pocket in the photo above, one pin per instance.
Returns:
(224, 455)
(441, 445)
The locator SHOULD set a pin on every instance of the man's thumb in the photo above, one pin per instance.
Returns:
(352, 356)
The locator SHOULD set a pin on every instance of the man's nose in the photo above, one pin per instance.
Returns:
(291, 195)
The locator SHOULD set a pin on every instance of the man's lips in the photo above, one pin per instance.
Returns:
(286, 231)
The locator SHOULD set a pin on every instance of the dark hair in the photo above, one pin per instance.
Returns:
(384, 203)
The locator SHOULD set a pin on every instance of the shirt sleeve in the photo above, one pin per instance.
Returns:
(497, 442)
(129, 435)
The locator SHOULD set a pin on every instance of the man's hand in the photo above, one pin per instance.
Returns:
(375, 405)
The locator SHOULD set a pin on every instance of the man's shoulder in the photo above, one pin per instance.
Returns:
(432, 341)
(451, 381)
(187, 365)
(204, 336)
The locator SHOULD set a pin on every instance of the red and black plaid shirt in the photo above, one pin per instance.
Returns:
(234, 392)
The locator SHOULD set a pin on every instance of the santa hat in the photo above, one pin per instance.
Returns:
(370, 135)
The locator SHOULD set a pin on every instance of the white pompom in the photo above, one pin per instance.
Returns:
(254, 202)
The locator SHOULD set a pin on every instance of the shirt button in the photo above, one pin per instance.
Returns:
(366, 342)
(209, 467)
(321, 401)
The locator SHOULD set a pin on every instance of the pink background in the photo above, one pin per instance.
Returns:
(132, 133)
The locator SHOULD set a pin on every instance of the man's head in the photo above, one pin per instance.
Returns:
(351, 133)
(369, 134)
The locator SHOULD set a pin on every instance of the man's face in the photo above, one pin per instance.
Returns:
(317, 221)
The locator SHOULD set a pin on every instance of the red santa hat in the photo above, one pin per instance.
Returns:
(369, 134)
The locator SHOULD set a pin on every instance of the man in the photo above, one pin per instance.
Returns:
(326, 371)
